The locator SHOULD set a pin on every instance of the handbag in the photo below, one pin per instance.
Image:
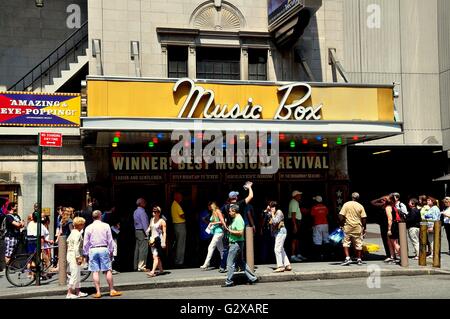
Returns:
(336, 236)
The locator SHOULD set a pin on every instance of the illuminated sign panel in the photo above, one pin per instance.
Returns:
(186, 99)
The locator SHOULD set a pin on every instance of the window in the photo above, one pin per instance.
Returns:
(218, 63)
(178, 61)
(257, 64)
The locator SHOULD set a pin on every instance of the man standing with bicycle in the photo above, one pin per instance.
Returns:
(99, 246)
(13, 226)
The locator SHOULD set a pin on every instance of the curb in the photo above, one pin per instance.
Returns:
(217, 281)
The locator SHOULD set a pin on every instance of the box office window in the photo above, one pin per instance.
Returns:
(218, 63)
(257, 64)
(178, 61)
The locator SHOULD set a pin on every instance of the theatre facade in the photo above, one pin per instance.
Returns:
(152, 137)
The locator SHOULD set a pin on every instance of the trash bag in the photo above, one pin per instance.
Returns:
(336, 236)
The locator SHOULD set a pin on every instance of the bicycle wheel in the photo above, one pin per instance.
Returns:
(18, 271)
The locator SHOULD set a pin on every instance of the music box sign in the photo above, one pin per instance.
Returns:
(265, 101)
(210, 109)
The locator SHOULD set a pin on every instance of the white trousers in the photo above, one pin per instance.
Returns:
(74, 268)
(216, 242)
(280, 253)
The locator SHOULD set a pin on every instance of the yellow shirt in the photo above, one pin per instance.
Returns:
(353, 212)
(177, 212)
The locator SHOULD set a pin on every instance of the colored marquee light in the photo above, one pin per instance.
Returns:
(116, 139)
(292, 144)
(151, 144)
(117, 134)
(224, 145)
(232, 142)
(355, 138)
(339, 141)
(200, 136)
(187, 144)
(192, 140)
(242, 136)
(160, 135)
(259, 143)
(155, 140)
(114, 144)
(319, 138)
(282, 136)
(305, 141)
(325, 143)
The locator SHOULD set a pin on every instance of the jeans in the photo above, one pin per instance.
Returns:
(235, 256)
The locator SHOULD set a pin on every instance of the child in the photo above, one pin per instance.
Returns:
(75, 258)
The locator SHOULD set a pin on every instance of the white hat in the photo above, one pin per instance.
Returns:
(295, 193)
(318, 198)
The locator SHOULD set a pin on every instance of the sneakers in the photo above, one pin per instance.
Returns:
(301, 257)
(115, 272)
(72, 296)
(388, 260)
(203, 267)
(227, 285)
(295, 259)
(82, 294)
(222, 271)
(359, 262)
(346, 262)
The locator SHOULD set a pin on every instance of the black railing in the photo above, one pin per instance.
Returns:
(57, 61)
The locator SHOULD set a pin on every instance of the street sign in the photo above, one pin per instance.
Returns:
(50, 139)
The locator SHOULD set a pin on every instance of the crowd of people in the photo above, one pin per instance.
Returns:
(92, 235)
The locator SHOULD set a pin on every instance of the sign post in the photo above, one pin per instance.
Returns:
(48, 140)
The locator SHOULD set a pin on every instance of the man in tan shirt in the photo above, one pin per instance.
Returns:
(353, 219)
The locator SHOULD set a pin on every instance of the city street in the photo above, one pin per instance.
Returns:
(354, 288)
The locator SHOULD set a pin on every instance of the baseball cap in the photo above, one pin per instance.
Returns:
(318, 198)
(233, 194)
(295, 193)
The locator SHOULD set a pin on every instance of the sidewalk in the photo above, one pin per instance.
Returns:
(197, 277)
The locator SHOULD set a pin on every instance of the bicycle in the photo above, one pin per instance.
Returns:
(21, 269)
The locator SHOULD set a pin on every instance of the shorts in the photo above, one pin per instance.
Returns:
(357, 239)
(10, 243)
(394, 231)
(99, 259)
(320, 234)
(31, 247)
